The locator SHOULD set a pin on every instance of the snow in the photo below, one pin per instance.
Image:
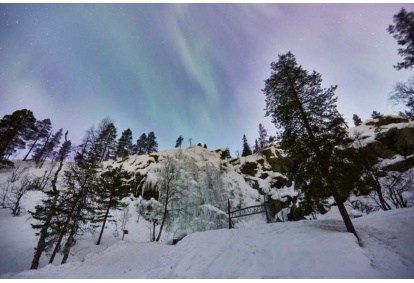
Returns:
(305, 249)
(367, 133)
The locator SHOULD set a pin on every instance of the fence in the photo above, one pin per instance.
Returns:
(251, 210)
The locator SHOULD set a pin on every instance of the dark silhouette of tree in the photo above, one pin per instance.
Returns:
(142, 144)
(41, 131)
(376, 115)
(112, 186)
(262, 137)
(47, 149)
(47, 213)
(124, 145)
(15, 130)
(357, 120)
(404, 93)
(312, 128)
(152, 144)
(105, 142)
(256, 146)
(246, 148)
(179, 142)
(403, 32)
(225, 154)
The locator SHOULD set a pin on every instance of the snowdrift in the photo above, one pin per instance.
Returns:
(304, 249)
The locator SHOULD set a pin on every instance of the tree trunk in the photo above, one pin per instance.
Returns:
(41, 244)
(104, 222)
(163, 218)
(68, 245)
(384, 204)
(64, 230)
(42, 151)
(325, 167)
(31, 148)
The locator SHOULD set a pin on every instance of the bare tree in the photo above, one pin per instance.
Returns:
(169, 190)
(395, 184)
(367, 158)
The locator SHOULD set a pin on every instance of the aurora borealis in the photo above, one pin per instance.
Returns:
(194, 70)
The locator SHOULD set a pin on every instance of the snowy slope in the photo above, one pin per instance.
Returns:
(305, 249)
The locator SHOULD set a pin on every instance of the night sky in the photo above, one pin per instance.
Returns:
(192, 70)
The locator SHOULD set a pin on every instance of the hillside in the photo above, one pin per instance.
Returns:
(204, 183)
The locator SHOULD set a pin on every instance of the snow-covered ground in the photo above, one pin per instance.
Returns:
(305, 249)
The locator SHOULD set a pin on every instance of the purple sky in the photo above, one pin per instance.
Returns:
(191, 70)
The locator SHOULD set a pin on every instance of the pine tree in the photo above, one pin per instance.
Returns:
(142, 144)
(47, 214)
(112, 186)
(76, 198)
(152, 145)
(15, 130)
(312, 128)
(246, 148)
(105, 143)
(256, 146)
(124, 146)
(357, 120)
(41, 131)
(47, 149)
(225, 154)
(75, 207)
(179, 142)
(376, 115)
(403, 32)
(205, 146)
(262, 137)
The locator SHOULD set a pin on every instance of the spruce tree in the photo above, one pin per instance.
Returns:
(152, 144)
(105, 143)
(179, 142)
(376, 115)
(246, 148)
(142, 144)
(256, 146)
(311, 127)
(357, 120)
(262, 137)
(124, 145)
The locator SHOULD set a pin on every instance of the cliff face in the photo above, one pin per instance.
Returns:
(389, 143)
(390, 138)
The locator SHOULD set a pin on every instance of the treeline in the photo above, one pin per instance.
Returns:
(77, 195)
(21, 131)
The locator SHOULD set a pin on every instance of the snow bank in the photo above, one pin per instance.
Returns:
(305, 249)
